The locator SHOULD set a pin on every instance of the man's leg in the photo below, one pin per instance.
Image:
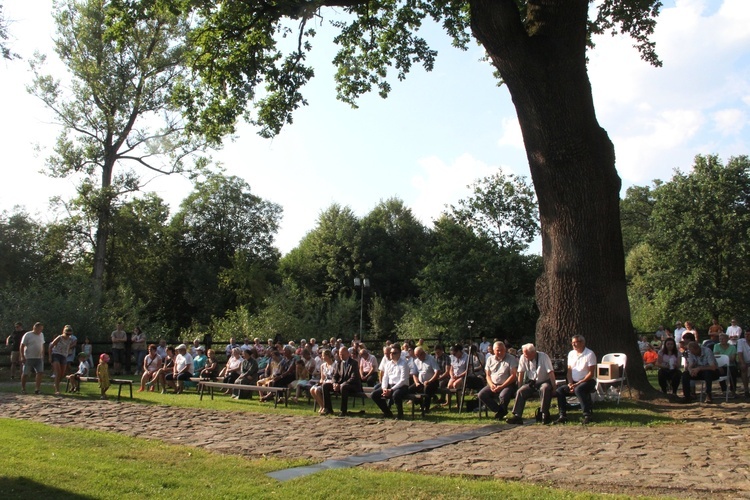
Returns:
(24, 371)
(522, 395)
(546, 389)
(708, 377)
(488, 399)
(686, 379)
(505, 396)
(377, 398)
(583, 393)
(398, 398)
(347, 390)
(429, 392)
(327, 390)
(562, 403)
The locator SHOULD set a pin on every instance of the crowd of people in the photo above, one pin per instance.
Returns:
(681, 358)
(496, 372)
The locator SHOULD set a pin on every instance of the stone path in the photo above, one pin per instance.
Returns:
(708, 455)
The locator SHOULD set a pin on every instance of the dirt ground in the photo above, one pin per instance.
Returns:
(706, 454)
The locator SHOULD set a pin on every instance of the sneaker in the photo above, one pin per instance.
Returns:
(562, 419)
(546, 418)
(709, 399)
(501, 414)
(515, 420)
(731, 395)
(586, 420)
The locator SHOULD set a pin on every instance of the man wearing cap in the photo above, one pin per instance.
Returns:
(183, 369)
(535, 375)
(31, 356)
(199, 360)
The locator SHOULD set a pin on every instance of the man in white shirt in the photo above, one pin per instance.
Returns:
(500, 372)
(734, 331)
(678, 331)
(426, 379)
(535, 374)
(701, 365)
(368, 368)
(484, 346)
(31, 356)
(581, 380)
(394, 384)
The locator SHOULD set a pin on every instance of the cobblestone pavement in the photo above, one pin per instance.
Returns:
(707, 455)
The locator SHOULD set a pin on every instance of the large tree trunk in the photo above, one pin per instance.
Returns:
(103, 225)
(572, 163)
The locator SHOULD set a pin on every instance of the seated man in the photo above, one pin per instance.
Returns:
(394, 384)
(701, 365)
(535, 375)
(345, 382)
(426, 379)
(182, 371)
(288, 372)
(500, 371)
(459, 370)
(368, 368)
(581, 380)
(650, 357)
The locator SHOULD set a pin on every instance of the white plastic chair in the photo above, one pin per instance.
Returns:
(622, 360)
(722, 361)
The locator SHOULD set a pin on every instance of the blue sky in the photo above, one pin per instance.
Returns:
(438, 131)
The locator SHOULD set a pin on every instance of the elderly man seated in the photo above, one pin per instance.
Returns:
(501, 373)
(581, 380)
(536, 375)
(426, 379)
(701, 365)
(346, 382)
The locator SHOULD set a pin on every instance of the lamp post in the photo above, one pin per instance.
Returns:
(362, 284)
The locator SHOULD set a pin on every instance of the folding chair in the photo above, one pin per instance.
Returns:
(622, 360)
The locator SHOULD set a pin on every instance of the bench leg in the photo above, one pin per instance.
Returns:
(119, 391)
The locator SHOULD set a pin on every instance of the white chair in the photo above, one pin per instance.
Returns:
(622, 360)
(722, 361)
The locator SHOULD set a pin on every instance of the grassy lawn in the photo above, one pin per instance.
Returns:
(627, 413)
(47, 462)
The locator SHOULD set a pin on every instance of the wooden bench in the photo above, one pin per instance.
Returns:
(278, 392)
(415, 399)
(119, 382)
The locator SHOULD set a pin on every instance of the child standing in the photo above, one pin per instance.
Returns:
(102, 373)
(83, 371)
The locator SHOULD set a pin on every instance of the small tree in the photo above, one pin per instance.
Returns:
(117, 109)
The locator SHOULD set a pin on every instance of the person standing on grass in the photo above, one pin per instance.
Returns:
(102, 374)
(119, 337)
(14, 342)
(59, 349)
(31, 356)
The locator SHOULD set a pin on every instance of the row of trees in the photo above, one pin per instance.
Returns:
(688, 244)
(212, 267)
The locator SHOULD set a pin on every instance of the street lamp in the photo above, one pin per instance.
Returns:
(362, 284)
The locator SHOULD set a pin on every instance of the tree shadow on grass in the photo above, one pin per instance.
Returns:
(22, 487)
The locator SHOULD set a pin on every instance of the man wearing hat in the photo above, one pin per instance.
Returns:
(183, 369)
(199, 360)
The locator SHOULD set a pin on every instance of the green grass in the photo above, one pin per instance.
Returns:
(628, 413)
(40, 461)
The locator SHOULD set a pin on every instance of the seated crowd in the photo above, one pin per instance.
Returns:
(496, 374)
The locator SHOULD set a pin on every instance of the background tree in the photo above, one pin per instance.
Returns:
(5, 50)
(223, 236)
(539, 51)
(692, 262)
(502, 208)
(635, 215)
(116, 109)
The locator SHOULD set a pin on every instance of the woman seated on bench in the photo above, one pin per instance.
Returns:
(248, 373)
(231, 371)
(151, 366)
(326, 376)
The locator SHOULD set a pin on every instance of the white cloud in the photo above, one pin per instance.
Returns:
(511, 135)
(439, 184)
(729, 121)
(660, 118)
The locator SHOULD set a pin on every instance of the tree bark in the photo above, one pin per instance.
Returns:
(543, 62)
